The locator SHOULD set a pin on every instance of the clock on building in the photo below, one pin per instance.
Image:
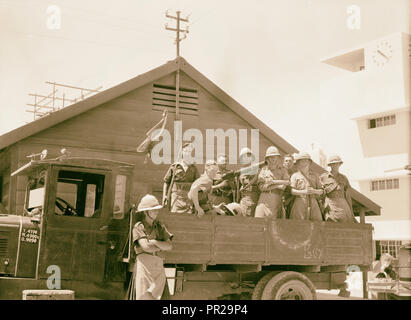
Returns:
(382, 54)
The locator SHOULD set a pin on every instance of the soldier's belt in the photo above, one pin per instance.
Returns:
(185, 186)
(274, 191)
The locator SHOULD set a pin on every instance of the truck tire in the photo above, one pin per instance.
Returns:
(258, 290)
(289, 285)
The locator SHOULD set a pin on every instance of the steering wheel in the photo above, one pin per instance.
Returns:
(68, 209)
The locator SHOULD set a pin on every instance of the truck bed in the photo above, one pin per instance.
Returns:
(213, 240)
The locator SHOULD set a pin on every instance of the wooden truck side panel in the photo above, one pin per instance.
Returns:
(214, 240)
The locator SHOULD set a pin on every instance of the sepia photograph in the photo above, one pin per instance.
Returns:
(221, 151)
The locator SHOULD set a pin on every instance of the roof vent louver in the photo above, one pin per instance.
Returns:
(164, 98)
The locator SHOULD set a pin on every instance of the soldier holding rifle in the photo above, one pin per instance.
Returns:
(307, 188)
(223, 188)
(249, 192)
(177, 182)
(272, 181)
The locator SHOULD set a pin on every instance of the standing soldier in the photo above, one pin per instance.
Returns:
(272, 180)
(223, 190)
(149, 278)
(249, 192)
(289, 164)
(177, 182)
(336, 187)
(307, 188)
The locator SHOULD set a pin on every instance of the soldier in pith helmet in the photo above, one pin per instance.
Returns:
(337, 187)
(178, 181)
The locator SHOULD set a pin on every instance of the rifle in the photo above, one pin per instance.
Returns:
(309, 197)
(253, 169)
(169, 191)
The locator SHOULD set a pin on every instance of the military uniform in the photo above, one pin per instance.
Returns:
(225, 193)
(205, 186)
(301, 203)
(184, 176)
(149, 273)
(335, 188)
(270, 203)
(288, 197)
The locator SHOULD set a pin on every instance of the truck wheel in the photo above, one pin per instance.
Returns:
(258, 290)
(289, 285)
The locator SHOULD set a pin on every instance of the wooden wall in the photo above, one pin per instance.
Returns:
(114, 129)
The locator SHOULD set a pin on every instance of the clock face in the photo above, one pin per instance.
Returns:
(382, 54)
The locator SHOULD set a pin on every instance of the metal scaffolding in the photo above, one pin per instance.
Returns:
(45, 104)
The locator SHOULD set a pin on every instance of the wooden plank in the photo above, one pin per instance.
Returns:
(183, 92)
(183, 99)
(172, 110)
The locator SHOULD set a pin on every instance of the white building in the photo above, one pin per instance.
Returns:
(378, 86)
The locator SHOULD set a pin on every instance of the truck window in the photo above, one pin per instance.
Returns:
(120, 197)
(79, 194)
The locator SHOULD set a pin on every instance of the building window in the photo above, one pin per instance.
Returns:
(386, 184)
(391, 247)
(381, 122)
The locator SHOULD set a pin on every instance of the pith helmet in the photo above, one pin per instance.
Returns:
(221, 158)
(149, 202)
(334, 159)
(272, 151)
(301, 156)
(244, 151)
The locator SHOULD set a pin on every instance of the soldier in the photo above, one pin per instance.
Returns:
(307, 188)
(289, 164)
(177, 182)
(336, 186)
(149, 278)
(201, 190)
(249, 192)
(223, 190)
(272, 180)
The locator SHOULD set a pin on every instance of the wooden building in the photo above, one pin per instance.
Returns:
(112, 123)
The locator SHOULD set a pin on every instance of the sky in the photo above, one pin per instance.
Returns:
(266, 54)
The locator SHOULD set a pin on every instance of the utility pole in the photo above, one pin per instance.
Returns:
(177, 41)
(178, 30)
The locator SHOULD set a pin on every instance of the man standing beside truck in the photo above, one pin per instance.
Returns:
(177, 182)
(149, 276)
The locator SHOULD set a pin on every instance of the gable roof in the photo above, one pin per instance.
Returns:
(179, 63)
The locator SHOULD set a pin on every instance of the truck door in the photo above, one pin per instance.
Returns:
(75, 226)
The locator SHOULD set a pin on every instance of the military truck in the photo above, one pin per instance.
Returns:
(74, 234)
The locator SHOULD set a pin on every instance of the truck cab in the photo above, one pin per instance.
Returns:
(73, 229)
